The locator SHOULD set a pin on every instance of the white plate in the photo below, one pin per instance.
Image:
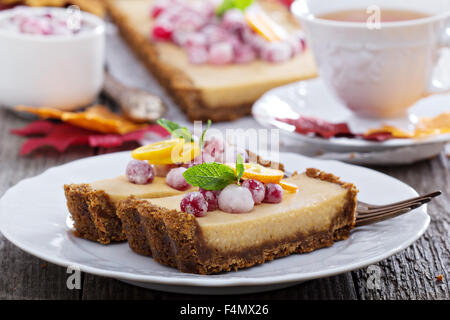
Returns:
(33, 215)
(396, 156)
(312, 98)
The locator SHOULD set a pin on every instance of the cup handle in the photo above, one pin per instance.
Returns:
(444, 43)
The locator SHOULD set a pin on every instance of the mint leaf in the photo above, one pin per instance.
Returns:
(232, 4)
(168, 125)
(202, 138)
(239, 167)
(210, 176)
(184, 133)
(175, 129)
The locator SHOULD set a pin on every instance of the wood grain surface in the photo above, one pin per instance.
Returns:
(410, 274)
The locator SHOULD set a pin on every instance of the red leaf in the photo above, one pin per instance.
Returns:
(38, 127)
(63, 135)
(378, 136)
(60, 137)
(305, 125)
(105, 140)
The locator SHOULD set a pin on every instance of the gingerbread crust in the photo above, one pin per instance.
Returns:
(95, 214)
(175, 238)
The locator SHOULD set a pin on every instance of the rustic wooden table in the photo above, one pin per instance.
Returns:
(410, 274)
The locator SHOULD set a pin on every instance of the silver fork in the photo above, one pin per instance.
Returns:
(367, 213)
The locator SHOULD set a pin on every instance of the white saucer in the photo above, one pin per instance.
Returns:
(35, 219)
(312, 98)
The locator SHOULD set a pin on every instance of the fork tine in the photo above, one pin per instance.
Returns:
(387, 211)
(383, 216)
(363, 212)
(429, 195)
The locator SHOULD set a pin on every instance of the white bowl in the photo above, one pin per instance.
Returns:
(61, 71)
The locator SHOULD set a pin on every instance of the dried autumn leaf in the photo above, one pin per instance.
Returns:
(97, 118)
(100, 118)
(426, 126)
(437, 125)
(63, 135)
(44, 113)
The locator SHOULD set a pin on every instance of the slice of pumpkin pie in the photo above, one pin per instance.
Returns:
(242, 224)
(214, 59)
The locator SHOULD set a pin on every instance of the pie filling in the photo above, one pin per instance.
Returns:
(313, 208)
(120, 188)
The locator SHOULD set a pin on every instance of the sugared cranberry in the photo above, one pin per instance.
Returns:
(276, 51)
(158, 7)
(234, 20)
(274, 193)
(211, 196)
(139, 172)
(214, 145)
(162, 32)
(194, 203)
(176, 180)
(257, 189)
(179, 37)
(190, 21)
(221, 53)
(244, 54)
(254, 40)
(215, 34)
(236, 199)
(194, 39)
(197, 55)
(297, 42)
(204, 157)
(156, 11)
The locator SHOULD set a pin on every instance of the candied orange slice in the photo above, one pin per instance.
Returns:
(167, 152)
(100, 118)
(185, 154)
(258, 25)
(260, 173)
(264, 25)
(263, 174)
(288, 186)
(158, 150)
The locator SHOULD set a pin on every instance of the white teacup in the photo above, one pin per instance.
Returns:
(61, 71)
(376, 70)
